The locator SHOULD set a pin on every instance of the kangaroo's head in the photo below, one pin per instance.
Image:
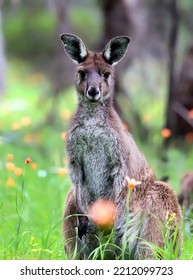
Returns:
(95, 71)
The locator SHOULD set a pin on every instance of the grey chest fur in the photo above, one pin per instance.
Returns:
(94, 147)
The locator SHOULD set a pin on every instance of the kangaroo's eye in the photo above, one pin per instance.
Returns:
(82, 74)
(106, 74)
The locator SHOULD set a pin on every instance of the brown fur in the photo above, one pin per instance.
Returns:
(186, 191)
(70, 222)
(101, 154)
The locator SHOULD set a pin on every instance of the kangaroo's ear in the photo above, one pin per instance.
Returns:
(116, 49)
(74, 47)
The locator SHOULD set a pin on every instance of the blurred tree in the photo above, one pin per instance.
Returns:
(179, 112)
(2, 60)
(158, 22)
(170, 115)
(33, 34)
(124, 17)
(182, 126)
(62, 68)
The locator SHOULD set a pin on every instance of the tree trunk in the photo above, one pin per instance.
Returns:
(123, 17)
(183, 105)
(157, 30)
(170, 114)
(2, 62)
(62, 68)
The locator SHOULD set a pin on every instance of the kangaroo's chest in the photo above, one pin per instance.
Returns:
(96, 152)
(95, 144)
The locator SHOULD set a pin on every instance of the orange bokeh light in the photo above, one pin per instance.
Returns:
(166, 132)
(102, 213)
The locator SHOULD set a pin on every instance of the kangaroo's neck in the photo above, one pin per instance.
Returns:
(99, 110)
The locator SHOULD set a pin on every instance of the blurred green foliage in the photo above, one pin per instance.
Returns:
(27, 34)
(87, 23)
(31, 204)
(30, 34)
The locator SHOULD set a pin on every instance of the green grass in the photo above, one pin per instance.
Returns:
(31, 204)
(31, 212)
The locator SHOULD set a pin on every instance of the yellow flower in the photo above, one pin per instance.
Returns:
(25, 121)
(15, 126)
(36, 250)
(32, 240)
(65, 115)
(18, 171)
(172, 217)
(10, 166)
(10, 157)
(132, 183)
(10, 182)
(33, 165)
(62, 171)
(63, 135)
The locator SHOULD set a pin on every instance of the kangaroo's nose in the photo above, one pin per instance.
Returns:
(93, 94)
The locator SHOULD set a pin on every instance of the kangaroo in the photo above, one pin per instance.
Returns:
(101, 154)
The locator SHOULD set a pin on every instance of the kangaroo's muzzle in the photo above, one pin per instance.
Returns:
(93, 94)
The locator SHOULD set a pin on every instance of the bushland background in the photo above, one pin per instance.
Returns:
(154, 97)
